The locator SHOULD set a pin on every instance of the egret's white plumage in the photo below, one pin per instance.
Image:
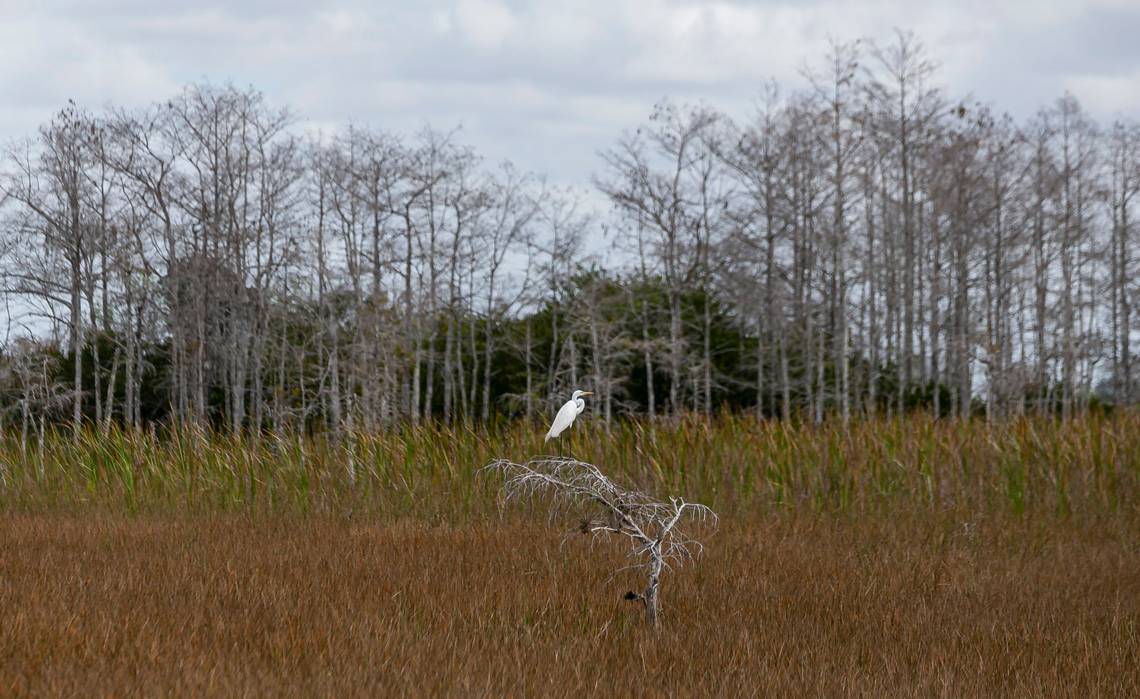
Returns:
(566, 414)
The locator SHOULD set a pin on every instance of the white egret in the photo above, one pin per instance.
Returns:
(566, 414)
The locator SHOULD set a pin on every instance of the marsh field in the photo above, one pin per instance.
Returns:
(906, 557)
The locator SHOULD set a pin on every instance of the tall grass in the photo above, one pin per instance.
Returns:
(884, 605)
(733, 463)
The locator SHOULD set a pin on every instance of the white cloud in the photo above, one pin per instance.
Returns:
(548, 83)
(441, 21)
(338, 21)
(1112, 95)
(485, 23)
(44, 66)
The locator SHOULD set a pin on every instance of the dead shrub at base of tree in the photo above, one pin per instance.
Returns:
(791, 604)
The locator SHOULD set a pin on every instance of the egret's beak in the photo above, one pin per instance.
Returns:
(587, 393)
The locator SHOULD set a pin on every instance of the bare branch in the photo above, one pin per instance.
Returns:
(656, 530)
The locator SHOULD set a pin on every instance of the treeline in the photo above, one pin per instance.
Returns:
(865, 244)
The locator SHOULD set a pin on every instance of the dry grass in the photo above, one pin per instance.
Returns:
(910, 603)
(885, 558)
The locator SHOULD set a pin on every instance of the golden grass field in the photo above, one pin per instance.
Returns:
(197, 569)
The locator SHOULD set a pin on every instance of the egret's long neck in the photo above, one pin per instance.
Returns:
(581, 405)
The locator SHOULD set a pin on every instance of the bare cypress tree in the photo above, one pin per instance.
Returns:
(860, 243)
(1124, 186)
(49, 184)
(906, 105)
(654, 176)
(838, 92)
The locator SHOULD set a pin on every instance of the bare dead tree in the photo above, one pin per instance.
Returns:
(659, 533)
(864, 243)
(657, 177)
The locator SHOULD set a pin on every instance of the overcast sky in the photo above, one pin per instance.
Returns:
(546, 84)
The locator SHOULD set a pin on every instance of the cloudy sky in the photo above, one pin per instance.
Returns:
(547, 84)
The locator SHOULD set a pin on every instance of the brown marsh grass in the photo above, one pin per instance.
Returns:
(905, 557)
(783, 605)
